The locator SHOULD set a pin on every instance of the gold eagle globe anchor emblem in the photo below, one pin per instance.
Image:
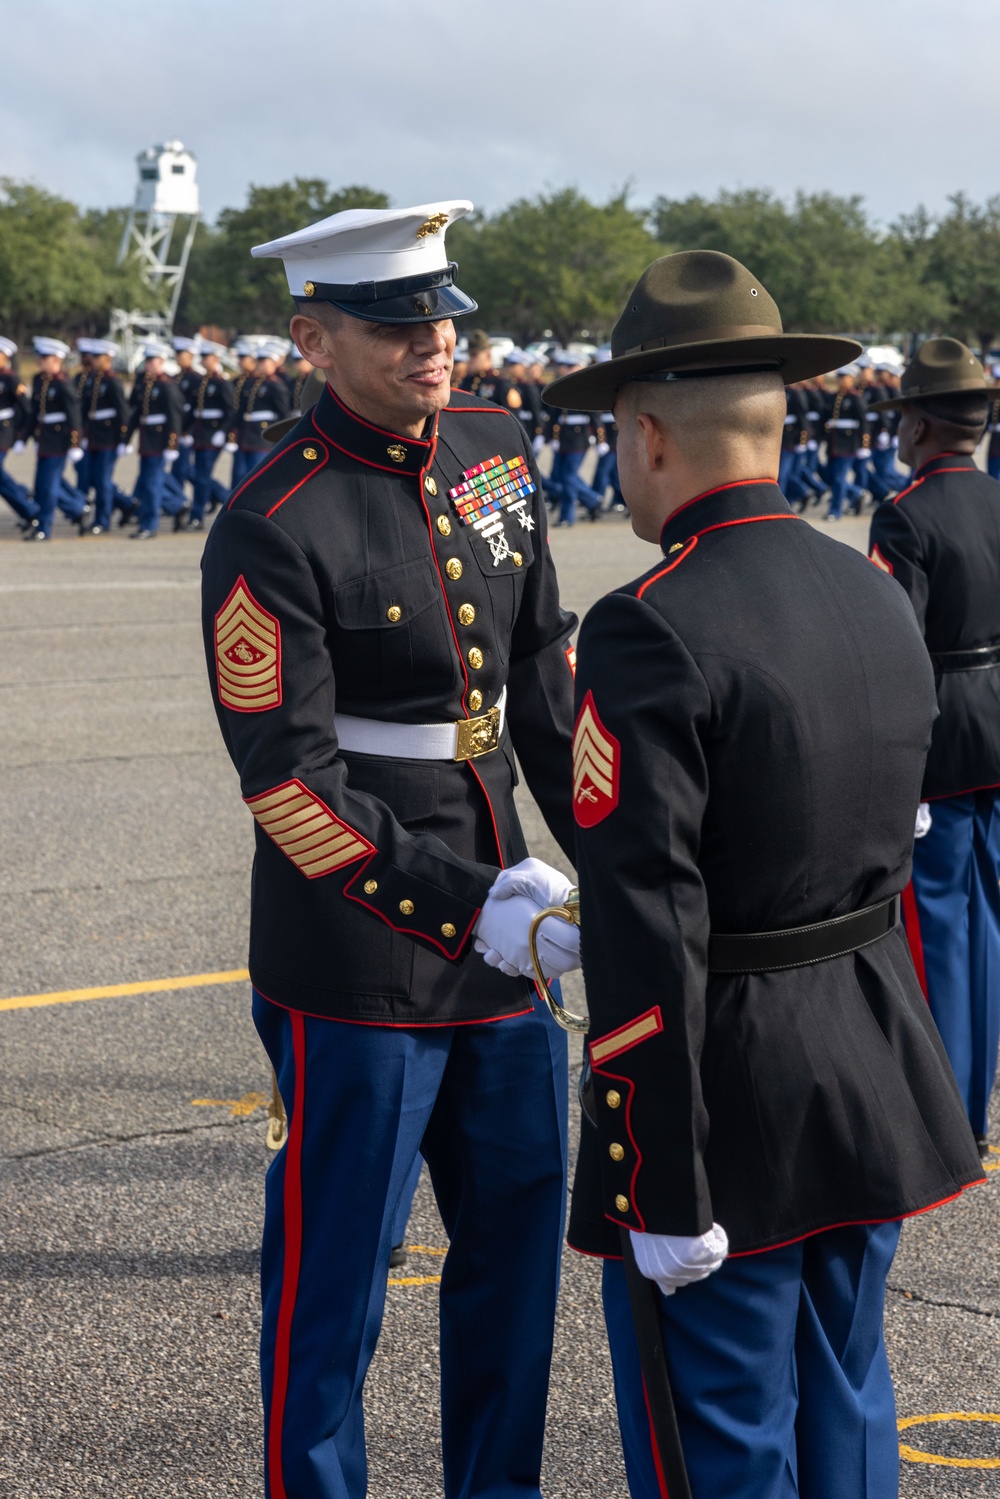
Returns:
(396, 452)
(433, 225)
(569, 912)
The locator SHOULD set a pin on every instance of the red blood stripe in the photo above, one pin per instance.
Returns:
(911, 920)
(293, 1259)
(661, 1477)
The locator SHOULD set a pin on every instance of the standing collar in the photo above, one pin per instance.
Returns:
(946, 463)
(371, 445)
(745, 500)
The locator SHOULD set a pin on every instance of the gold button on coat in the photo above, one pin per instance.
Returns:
(430, 484)
(466, 615)
(475, 699)
(444, 525)
(616, 1152)
(406, 906)
(309, 453)
(447, 930)
(612, 1098)
(621, 1203)
(518, 559)
(394, 614)
(475, 658)
(453, 568)
(371, 886)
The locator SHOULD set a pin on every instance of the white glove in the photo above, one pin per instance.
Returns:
(923, 826)
(18, 446)
(502, 937)
(602, 448)
(187, 441)
(537, 444)
(74, 455)
(673, 1260)
(812, 445)
(546, 886)
(862, 453)
(218, 438)
(895, 442)
(801, 448)
(882, 441)
(84, 444)
(554, 446)
(170, 456)
(123, 449)
(231, 447)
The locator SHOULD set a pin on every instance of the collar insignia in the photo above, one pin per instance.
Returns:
(396, 452)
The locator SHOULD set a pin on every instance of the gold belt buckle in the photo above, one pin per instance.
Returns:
(477, 736)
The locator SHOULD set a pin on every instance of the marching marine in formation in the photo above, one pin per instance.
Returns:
(209, 418)
(940, 539)
(156, 415)
(264, 398)
(769, 1094)
(55, 424)
(373, 679)
(105, 417)
(15, 416)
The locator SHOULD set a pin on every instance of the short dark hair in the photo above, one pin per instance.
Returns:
(964, 411)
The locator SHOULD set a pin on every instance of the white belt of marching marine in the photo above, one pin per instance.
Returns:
(260, 416)
(404, 741)
(209, 414)
(6, 413)
(55, 416)
(104, 415)
(843, 422)
(153, 421)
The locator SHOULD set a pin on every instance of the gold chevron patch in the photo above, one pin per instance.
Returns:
(595, 767)
(880, 562)
(306, 830)
(247, 653)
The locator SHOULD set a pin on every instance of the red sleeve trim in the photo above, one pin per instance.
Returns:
(875, 556)
(457, 943)
(628, 1087)
(606, 1048)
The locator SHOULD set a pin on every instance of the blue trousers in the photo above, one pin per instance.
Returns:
(956, 867)
(183, 470)
(993, 467)
(778, 1370)
(486, 1105)
(606, 474)
(242, 464)
(886, 478)
(840, 485)
(570, 487)
(790, 466)
(101, 467)
(205, 487)
(51, 490)
(149, 491)
(16, 494)
(174, 499)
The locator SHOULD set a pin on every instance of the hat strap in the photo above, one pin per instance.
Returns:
(665, 377)
(382, 291)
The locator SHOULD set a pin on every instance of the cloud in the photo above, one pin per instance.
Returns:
(429, 99)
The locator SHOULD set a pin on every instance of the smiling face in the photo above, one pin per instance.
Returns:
(394, 374)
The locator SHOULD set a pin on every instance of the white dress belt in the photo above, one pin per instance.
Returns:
(405, 741)
(104, 415)
(843, 422)
(6, 413)
(153, 421)
(260, 416)
(54, 416)
(210, 413)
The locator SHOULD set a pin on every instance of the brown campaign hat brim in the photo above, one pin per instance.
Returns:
(956, 389)
(794, 356)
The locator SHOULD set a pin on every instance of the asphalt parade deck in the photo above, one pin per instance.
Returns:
(133, 1122)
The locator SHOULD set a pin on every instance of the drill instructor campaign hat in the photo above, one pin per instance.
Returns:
(940, 367)
(694, 314)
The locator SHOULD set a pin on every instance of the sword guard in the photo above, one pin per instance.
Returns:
(569, 912)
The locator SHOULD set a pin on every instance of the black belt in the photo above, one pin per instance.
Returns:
(978, 659)
(798, 946)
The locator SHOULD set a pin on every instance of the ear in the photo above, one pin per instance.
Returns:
(652, 439)
(313, 339)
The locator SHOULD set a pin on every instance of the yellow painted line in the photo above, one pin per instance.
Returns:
(416, 1280)
(915, 1455)
(115, 991)
(425, 1249)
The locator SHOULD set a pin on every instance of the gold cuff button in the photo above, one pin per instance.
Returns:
(518, 559)
(466, 615)
(430, 484)
(371, 886)
(616, 1152)
(310, 453)
(475, 658)
(444, 525)
(612, 1098)
(406, 906)
(621, 1203)
(394, 614)
(447, 930)
(453, 568)
(475, 699)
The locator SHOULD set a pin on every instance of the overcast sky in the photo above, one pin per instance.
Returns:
(424, 99)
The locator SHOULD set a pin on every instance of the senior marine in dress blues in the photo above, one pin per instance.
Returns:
(383, 631)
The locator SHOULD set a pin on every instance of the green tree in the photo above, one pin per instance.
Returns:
(964, 257)
(225, 285)
(57, 270)
(556, 261)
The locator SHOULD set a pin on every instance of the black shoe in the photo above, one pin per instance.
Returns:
(397, 1257)
(180, 520)
(36, 535)
(27, 526)
(595, 514)
(126, 516)
(195, 524)
(144, 536)
(984, 1147)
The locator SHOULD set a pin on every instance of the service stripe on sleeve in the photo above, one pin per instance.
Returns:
(623, 1039)
(247, 653)
(306, 830)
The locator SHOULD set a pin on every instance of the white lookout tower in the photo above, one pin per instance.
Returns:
(166, 191)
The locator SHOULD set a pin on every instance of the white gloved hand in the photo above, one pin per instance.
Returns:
(546, 886)
(862, 453)
(673, 1260)
(123, 449)
(230, 447)
(537, 444)
(18, 446)
(84, 444)
(812, 446)
(187, 441)
(554, 446)
(882, 441)
(923, 826)
(801, 448)
(170, 456)
(218, 438)
(74, 455)
(502, 938)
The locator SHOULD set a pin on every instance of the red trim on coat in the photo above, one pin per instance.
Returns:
(423, 442)
(719, 489)
(908, 490)
(258, 468)
(742, 1254)
(444, 592)
(622, 1029)
(457, 410)
(968, 791)
(304, 480)
(911, 924)
(969, 466)
(661, 1477)
(722, 525)
(368, 463)
(409, 931)
(405, 1025)
(664, 570)
(493, 819)
(292, 1261)
(629, 1088)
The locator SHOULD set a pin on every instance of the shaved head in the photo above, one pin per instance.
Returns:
(724, 409)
